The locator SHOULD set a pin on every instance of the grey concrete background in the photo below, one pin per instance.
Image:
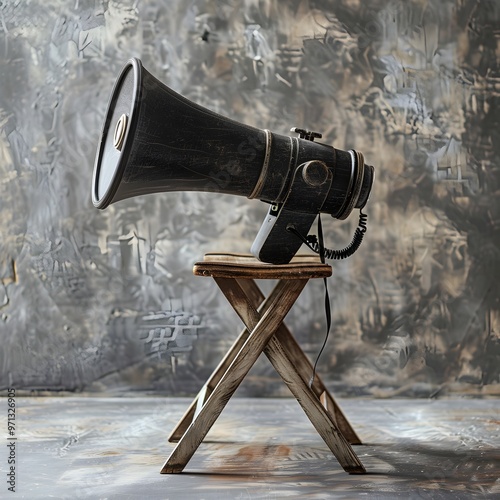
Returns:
(105, 301)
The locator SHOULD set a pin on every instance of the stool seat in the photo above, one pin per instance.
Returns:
(235, 265)
(264, 332)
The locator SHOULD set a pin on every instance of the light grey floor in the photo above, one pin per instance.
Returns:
(87, 447)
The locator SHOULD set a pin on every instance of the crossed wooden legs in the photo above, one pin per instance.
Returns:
(264, 332)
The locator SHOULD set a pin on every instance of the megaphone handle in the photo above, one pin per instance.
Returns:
(274, 243)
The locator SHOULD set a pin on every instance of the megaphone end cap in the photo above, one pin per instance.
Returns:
(110, 160)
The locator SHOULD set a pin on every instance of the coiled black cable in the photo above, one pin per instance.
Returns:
(312, 241)
(317, 246)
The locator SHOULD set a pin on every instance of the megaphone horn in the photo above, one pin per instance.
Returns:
(155, 140)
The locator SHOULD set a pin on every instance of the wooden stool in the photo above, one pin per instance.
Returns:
(264, 332)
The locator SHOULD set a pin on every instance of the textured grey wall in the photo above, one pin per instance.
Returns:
(97, 301)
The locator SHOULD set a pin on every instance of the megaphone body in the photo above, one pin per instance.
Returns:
(155, 140)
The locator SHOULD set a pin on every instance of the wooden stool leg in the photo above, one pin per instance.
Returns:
(283, 297)
(300, 361)
(317, 413)
(256, 298)
(208, 387)
(313, 408)
(304, 367)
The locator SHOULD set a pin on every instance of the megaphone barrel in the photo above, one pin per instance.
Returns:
(155, 140)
